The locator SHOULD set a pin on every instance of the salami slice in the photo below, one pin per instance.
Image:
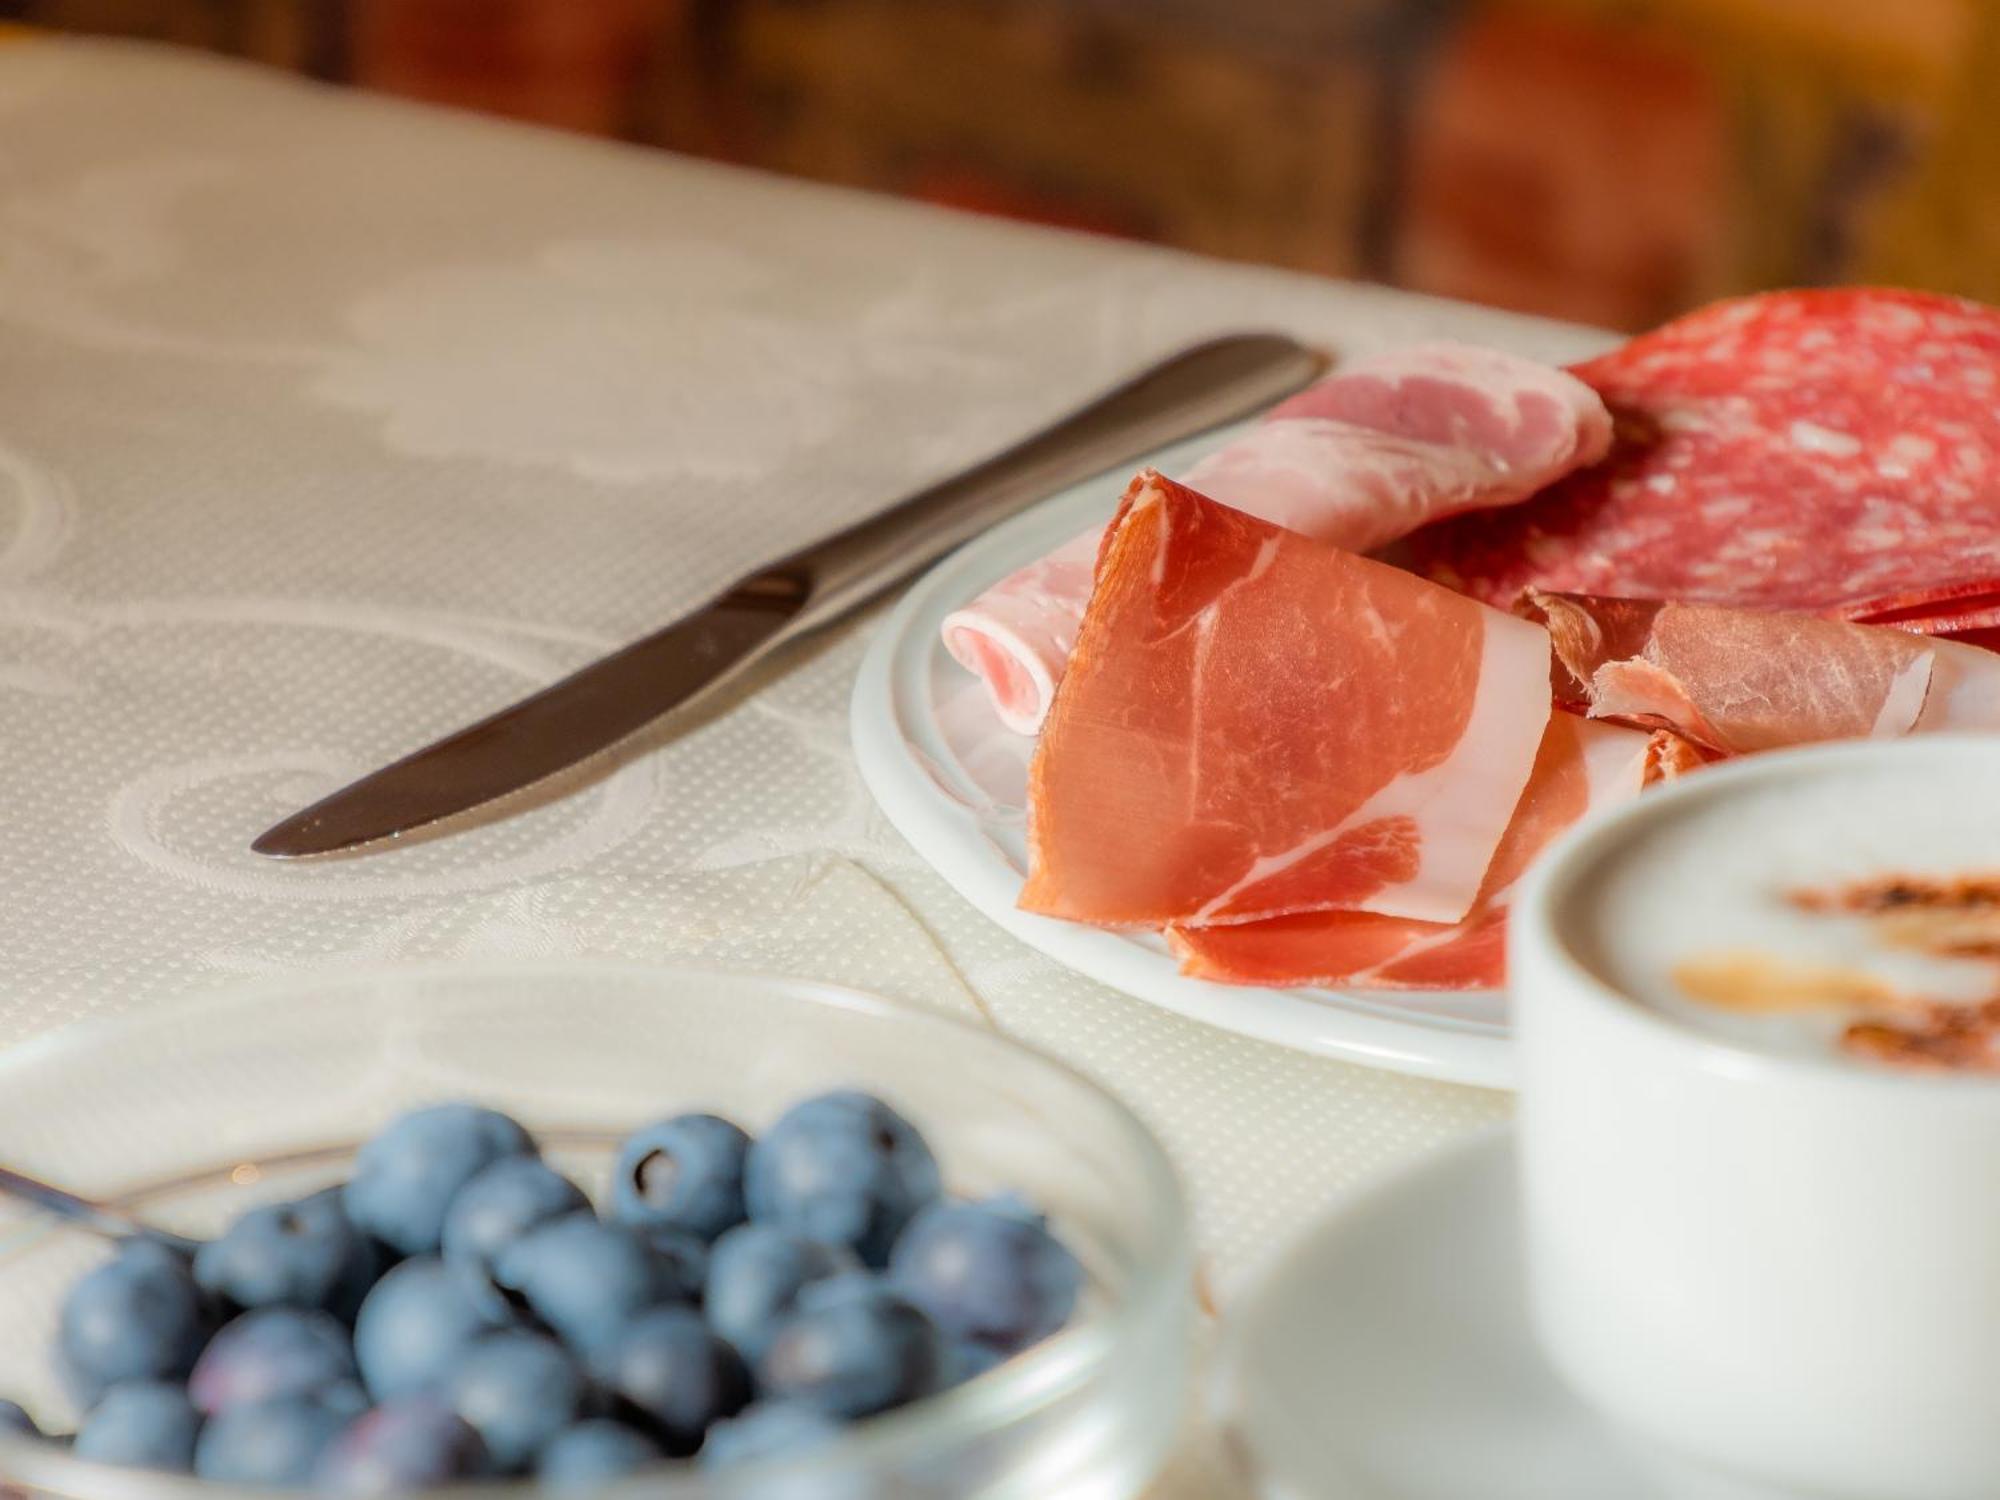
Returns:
(1961, 612)
(1835, 452)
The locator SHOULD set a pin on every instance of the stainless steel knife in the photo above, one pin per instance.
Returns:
(616, 696)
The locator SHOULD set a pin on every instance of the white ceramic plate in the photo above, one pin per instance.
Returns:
(953, 781)
(1388, 1356)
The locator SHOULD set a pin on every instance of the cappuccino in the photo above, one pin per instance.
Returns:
(1848, 911)
(1755, 1018)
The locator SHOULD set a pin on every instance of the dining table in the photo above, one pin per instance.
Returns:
(331, 422)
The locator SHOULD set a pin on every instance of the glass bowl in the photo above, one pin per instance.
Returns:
(191, 1113)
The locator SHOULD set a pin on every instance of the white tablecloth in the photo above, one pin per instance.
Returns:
(328, 423)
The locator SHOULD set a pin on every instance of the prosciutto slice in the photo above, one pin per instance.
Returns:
(1670, 757)
(1736, 681)
(1358, 459)
(1579, 766)
(1255, 723)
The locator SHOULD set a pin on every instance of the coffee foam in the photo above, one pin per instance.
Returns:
(1711, 879)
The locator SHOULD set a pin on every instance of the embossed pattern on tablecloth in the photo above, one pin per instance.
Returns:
(327, 424)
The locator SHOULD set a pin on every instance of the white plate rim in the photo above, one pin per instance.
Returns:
(1234, 1383)
(887, 698)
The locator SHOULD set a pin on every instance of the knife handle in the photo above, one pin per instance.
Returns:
(1199, 388)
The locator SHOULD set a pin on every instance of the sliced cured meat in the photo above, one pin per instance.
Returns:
(1368, 455)
(1836, 452)
(1256, 723)
(1736, 681)
(1579, 766)
(1017, 635)
(1978, 597)
(1670, 757)
(1987, 638)
(1962, 612)
(1358, 459)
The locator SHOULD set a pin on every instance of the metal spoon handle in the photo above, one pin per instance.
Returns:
(96, 1217)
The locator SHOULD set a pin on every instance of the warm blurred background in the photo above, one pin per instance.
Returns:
(1605, 160)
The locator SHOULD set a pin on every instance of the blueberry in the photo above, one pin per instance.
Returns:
(139, 1316)
(853, 1348)
(987, 1272)
(684, 1260)
(755, 1274)
(145, 1424)
(405, 1178)
(518, 1389)
(966, 1360)
(770, 1429)
(584, 1280)
(594, 1453)
(413, 1443)
(686, 1173)
(14, 1418)
(675, 1376)
(272, 1352)
(843, 1168)
(505, 1201)
(278, 1442)
(414, 1325)
(303, 1254)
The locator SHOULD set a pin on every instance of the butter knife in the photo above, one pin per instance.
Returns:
(616, 696)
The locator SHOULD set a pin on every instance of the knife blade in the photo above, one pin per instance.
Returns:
(613, 698)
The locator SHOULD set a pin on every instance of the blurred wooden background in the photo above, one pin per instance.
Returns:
(1612, 161)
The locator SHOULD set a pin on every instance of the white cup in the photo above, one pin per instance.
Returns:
(1781, 1270)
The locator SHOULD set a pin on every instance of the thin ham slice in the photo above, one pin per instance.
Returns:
(1735, 681)
(1358, 459)
(1579, 766)
(1017, 636)
(1256, 723)
(1371, 453)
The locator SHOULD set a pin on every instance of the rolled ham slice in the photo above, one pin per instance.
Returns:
(1359, 459)
(1579, 766)
(1736, 681)
(1256, 723)
(1017, 636)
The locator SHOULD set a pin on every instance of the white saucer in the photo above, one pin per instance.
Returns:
(1387, 1356)
(954, 782)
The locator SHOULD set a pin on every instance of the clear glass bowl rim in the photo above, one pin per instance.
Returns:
(931, 1428)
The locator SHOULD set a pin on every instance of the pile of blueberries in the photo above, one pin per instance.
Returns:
(458, 1311)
